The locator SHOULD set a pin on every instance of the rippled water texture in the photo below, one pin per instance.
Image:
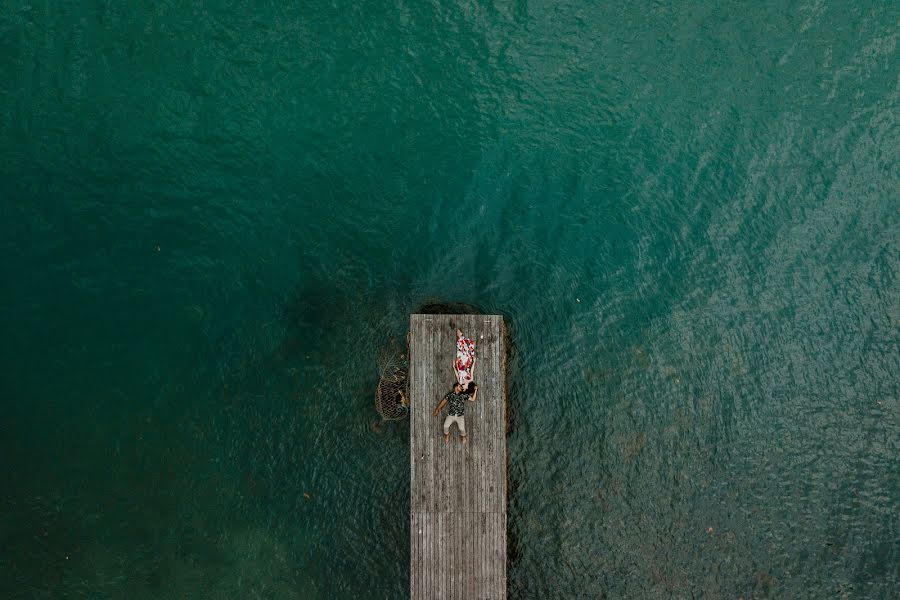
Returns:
(215, 215)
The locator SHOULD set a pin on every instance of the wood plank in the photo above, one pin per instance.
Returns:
(458, 496)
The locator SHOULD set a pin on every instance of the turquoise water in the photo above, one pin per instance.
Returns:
(216, 215)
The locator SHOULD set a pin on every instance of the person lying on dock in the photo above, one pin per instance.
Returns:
(457, 401)
(464, 363)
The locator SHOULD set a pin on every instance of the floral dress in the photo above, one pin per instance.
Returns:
(465, 359)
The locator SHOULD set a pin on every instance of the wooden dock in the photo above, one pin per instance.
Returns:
(457, 495)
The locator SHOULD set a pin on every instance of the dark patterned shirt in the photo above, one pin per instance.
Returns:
(457, 403)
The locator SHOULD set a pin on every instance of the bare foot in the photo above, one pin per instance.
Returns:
(465, 440)
(446, 438)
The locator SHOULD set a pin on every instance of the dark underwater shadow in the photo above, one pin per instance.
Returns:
(511, 376)
(449, 308)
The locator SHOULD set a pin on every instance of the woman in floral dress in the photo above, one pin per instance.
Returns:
(464, 365)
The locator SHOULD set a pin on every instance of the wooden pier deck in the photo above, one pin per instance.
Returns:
(458, 495)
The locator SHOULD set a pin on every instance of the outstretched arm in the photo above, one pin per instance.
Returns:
(440, 407)
(475, 394)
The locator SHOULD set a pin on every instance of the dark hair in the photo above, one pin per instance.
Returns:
(456, 383)
(471, 388)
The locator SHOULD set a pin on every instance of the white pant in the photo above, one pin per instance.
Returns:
(460, 422)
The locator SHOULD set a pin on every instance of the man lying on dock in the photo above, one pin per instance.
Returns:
(457, 400)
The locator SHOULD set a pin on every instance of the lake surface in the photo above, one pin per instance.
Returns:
(215, 216)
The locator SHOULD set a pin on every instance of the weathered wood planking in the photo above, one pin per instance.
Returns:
(457, 497)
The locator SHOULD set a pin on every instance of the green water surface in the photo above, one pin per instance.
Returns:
(214, 215)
